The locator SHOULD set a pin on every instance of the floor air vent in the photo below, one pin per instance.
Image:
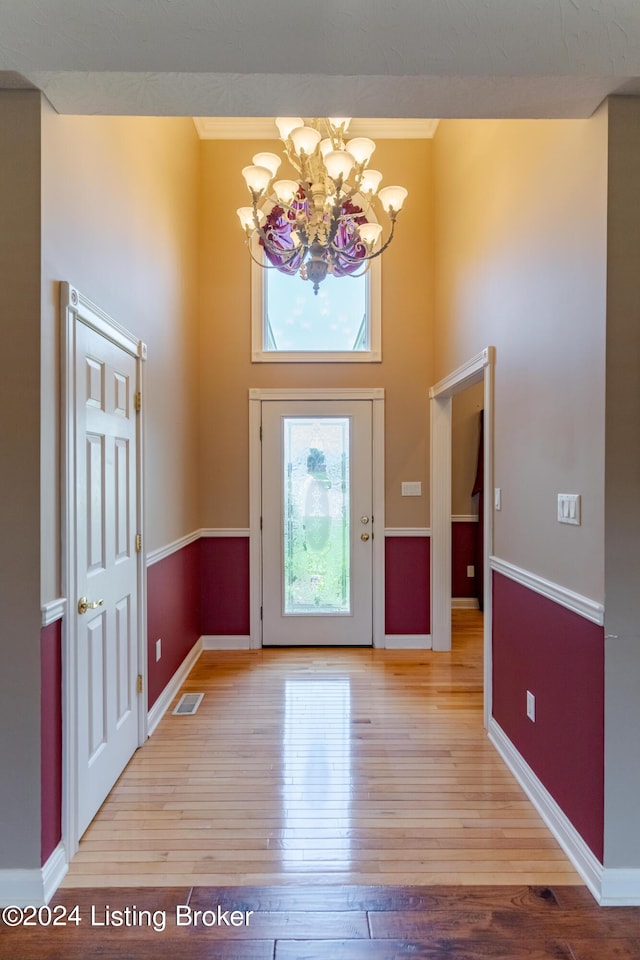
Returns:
(188, 704)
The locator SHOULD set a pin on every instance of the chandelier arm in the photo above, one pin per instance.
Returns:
(285, 255)
(367, 257)
(267, 266)
(361, 273)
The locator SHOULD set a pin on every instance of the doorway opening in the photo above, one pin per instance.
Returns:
(479, 369)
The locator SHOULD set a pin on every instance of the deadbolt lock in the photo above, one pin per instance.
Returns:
(364, 519)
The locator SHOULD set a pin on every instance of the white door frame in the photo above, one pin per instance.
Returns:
(75, 308)
(256, 398)
(476, 370)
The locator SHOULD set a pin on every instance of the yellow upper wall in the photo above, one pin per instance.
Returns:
(120, 222)
(226, 370)
(520, 261)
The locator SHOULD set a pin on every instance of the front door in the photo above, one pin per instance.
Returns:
(106, 641)
(317, 523)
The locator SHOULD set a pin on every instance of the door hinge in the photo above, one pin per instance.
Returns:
(138, 542)
(261, 523)
(261, 434)
(261, 613)
(137, 401)
(139, 684)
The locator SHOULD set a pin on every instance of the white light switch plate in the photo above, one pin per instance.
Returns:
(411, 488)
(569, 508)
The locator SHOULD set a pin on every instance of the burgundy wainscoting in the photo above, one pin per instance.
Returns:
(173, 613)
(463, 554)
(51, 738)
(540, 646)
(407, 585)
(224, 586)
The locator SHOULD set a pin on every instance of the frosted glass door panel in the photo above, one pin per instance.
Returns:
(316, 498)
(317, 523)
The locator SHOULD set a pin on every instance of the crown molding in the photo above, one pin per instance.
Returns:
(264, 128)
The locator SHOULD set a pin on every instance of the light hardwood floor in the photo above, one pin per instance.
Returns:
(324, 766)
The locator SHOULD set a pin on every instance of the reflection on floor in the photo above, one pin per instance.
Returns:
(324, 766)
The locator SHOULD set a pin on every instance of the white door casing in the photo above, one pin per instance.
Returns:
(104, 712)
(478, 369)
(259, 398)
(348, 494)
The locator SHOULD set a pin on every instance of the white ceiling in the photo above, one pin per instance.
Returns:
(371, 58)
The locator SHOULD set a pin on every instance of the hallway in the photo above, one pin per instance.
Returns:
(324, 766)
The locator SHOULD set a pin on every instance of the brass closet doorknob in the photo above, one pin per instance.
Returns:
(364, 536)
(84, 605)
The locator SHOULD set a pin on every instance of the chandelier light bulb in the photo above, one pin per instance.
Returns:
(257, 178)
(305, 140)
(361, 148)
(392, 198)
(339, 163)
(285, 190)
(370, 181)
(325, 147)
(268, 160)
(286, 124)
(370, 233)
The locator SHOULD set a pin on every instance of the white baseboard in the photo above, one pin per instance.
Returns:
(24, 888)
(465, 603)
(226, 643)
(610, 887)
(583, 859)
(620, 887)
(163, 702)
(407, 641)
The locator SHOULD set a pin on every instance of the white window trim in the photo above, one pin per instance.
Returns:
(374, 309)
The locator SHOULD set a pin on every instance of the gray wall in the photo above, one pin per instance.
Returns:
(622, 490)
(20, 617)
(520, 263)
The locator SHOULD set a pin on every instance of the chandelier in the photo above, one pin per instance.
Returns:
(323, 222)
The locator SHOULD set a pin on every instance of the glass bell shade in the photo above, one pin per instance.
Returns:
(339, 163)
(286, 124)
(370, 232)
(370, 181)
(245, 215)
(305, 140)
(392, 198)
(268, 160)
(361, 149)
(285, 190)
(257, 178)
(338, 122)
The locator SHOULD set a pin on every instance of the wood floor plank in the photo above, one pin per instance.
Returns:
(337, 922)
(610, 949)
(399, 781)
(433, 950)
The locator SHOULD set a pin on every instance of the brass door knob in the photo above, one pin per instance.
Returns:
(84, 605)
(364, 536)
